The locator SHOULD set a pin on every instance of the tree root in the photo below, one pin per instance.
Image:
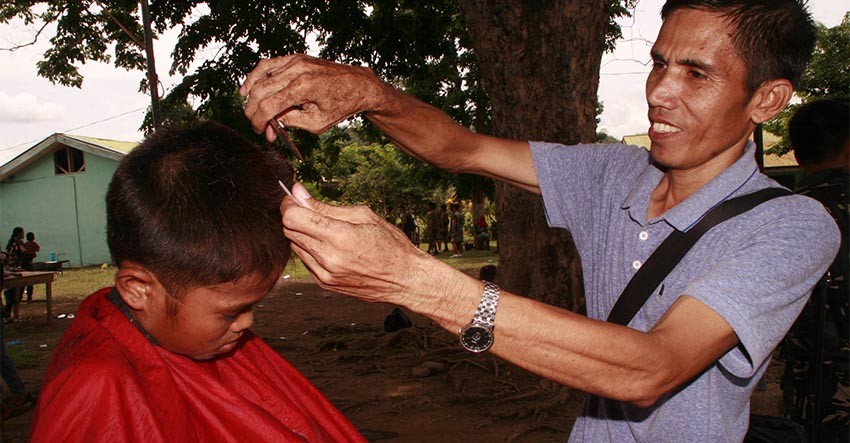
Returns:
(536, 427)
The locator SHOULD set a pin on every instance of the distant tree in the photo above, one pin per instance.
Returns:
(604, 137)
(827, 76)
(378, 175)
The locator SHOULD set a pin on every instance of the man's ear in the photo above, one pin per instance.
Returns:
(135, 284)
(770, 98)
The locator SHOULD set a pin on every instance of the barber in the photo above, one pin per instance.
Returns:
(684, 368)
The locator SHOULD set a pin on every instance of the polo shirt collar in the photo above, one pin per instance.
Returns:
(689, 212)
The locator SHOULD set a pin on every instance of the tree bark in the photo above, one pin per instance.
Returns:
(539, 63)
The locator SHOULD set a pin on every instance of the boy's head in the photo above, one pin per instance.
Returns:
(194, 225)
(30, 236)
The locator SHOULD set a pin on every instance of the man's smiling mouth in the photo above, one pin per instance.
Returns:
(663, 128)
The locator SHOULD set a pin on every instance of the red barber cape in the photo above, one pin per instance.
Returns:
(107, 382)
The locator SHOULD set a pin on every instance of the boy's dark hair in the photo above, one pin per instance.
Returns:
(819, 131)
(774, 38)
(198, 207)
(30, 236)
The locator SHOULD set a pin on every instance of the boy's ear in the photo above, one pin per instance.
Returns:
(769, 99)
(135, 284)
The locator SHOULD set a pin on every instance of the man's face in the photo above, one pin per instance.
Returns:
(698, 103)
(209, 320)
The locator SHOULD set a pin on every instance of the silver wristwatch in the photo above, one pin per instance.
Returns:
(478, 336)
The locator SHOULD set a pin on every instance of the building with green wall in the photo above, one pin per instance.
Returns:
(56, 190)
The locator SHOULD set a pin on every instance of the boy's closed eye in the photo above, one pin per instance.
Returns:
(233, 314)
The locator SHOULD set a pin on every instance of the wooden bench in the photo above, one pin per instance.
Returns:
(30, 278)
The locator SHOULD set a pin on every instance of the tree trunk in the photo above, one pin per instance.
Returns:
(539, 63)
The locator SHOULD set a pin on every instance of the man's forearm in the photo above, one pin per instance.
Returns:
(424, 131)
(594, 356)
(428, 134)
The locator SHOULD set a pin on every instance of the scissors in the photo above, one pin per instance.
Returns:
(280, 130)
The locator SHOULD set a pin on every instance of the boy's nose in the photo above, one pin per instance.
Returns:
(243, 321)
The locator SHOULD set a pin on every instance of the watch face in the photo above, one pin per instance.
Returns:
(476, 338)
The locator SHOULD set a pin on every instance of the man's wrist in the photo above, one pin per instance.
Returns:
(445, 295)
(478, 336)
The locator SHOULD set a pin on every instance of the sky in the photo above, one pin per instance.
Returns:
(109, 104)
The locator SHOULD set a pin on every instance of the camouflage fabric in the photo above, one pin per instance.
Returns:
(798, 384)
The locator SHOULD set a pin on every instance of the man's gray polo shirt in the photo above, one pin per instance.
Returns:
(755, 270)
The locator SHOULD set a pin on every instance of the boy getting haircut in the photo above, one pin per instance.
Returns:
(194, 226)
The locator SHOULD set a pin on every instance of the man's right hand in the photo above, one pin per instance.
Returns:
(308, 93)
(314, 94)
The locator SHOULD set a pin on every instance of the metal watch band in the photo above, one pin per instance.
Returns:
(486, 313)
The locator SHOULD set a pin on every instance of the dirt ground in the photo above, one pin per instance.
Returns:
(376, 378)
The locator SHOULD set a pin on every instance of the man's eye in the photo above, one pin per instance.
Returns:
(230, 318)
(698, 75)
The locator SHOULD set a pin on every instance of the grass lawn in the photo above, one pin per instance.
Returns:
(76, 284)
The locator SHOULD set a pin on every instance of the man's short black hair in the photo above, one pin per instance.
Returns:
(820, 131)
(774, 38)
(198, 207)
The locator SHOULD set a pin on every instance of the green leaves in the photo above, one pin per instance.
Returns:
(421, 46)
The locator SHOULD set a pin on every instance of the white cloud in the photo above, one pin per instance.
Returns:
(25, 107)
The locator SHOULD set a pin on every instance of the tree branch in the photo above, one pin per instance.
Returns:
(121, 25)
(24, 45)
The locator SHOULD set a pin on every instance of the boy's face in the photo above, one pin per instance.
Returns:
(209, 321)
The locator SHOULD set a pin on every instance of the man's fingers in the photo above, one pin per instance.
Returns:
(348, 214)
(311, 264)
(263, 69)
(305, 92)
(267, 89)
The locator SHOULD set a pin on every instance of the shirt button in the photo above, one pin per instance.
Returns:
(636, 264)
(643, 235)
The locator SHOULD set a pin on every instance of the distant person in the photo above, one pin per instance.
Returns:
(18, 399)
(443, 231)
(456, 230)
(432, 222)
(821, 141)
(32, 246)
(28, 257)
(408, 224)
(482, 236)
(166, 355)
(15, 250)
(391, 217)
(15, 247)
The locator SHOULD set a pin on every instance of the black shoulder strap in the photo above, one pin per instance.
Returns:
(674, 248)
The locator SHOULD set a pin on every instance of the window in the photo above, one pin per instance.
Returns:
(69, 161)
